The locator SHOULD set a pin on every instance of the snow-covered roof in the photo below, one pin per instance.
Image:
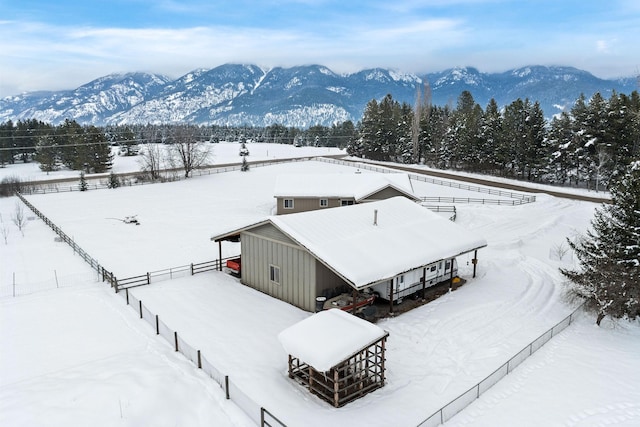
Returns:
(340, 185)
(328, 338)
(406, 236)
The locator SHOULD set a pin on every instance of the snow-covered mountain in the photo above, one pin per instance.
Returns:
(302, 96)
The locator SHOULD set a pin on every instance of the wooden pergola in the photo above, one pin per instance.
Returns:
(333, 375)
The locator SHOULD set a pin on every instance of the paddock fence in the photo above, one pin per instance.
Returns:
(63, 236)
(129, 179)
(260, 415)
(167, 274)
(233, 391)
(446, 412)
(521, 198)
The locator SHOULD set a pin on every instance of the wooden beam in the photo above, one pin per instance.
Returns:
(354, 298)
(391, 296)
(451, 274)
(336, 388)
(475, 262)
(220, 255)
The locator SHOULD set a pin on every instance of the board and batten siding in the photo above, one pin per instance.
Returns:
(328, 283)
(385, 193)
(297, 267)
(305, 204)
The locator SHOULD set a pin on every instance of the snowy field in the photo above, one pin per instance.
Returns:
(74, 354)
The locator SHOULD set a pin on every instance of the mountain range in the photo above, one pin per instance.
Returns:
(302, 96)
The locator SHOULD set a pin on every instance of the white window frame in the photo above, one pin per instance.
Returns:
(287, 203)
(324, 203)
(274, 274)
(346, 202)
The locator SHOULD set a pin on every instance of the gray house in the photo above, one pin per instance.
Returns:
(305, 192)
(300, 256)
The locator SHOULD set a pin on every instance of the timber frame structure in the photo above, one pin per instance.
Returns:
(361, 373)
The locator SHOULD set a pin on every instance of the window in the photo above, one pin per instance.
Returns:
(433, 268)
(324, 203)
(274, 274)
(288, 203)
(447, 265)
(346, 202)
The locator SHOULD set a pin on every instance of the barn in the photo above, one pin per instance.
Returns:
(301, 256)
(305, 192)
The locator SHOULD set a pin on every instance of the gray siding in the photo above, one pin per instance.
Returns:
(304, 204)
(385, 193)
(328, 283)
(270, 232)
(297, 270)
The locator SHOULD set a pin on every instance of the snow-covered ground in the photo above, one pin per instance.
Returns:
(74, 354)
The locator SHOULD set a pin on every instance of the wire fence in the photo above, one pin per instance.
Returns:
(465, 399)
(233, 391)
(24, 284)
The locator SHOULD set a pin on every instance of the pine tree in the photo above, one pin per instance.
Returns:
(83, 182)
(98, 151)
(609, 254)
(47, 153)
(114, 182)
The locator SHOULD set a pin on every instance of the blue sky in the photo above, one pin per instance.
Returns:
(62, 44)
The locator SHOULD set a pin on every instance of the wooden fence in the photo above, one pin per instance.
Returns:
(168, 274)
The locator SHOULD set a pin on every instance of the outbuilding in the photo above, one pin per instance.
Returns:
(337, 367)
(305, 192)
(301, 256)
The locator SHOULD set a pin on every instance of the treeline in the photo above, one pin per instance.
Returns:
(70, 145)
(585, 146)
(88, 148)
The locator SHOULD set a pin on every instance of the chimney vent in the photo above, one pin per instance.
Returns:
(375, 217)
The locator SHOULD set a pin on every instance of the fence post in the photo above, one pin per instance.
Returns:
(226, 386)
(175, 338)
(148, 278)
(140, 307)
(157, 325)
(192, 269)
(126, 291)
(199, 360)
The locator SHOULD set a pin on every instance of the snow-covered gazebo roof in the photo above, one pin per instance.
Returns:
(328, 338)
(341, 185)
(372, 242)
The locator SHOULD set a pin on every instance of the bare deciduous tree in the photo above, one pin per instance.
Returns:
(188, 148)
(151, 159)
(4, 231)
(19, 218)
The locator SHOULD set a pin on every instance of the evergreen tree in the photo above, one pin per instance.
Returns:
(97, 150)
(48, 153)
(561, 137)
(72, 148)
(113, 182)
(7, 131)
(492, 158)
(609, 254)
(463, 138)
(83, 182)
